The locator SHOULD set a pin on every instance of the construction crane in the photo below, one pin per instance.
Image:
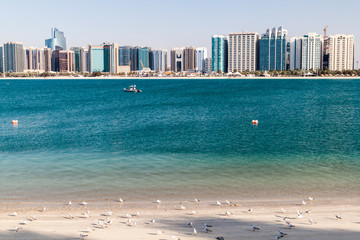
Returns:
(325, 36)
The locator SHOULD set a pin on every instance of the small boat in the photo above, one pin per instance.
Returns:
(132, 88)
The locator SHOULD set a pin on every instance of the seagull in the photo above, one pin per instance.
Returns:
(158, 201)
(108, 213)
(283, 210)
(69, 204)
(109, 222)
(86, 215)
(128, 215)
(17, 229)
(299, 215)
(227, 201)
(338, 217)
(137, 213)
(278, 236)
(182, 207)
(250, 210)
(218, 203)
(43, 209)
(206, 229)
(175, 237)
(190, 224)
(282, 233)
(311, 221)
(303, 202)
(195, 232)
(101, 224)
(129, 221)
(196, 200)
(207, 225)
(25, 222)
(14, 214)
(220, 238)
(227, 213)
(121, 200)
(194, 212)
(152, 221)
(83, 203)
(82, 236)
(308, 211)
(134, 224)
(311, 198)
(290, 226)
(33, 218)
(254, 228)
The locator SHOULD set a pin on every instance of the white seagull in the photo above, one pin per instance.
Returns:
(227, 213)
(83, 203)
(195, 232)
(283, 210)
(311, 221)
(121, 200)
(290, 226)
(303, 202)
(250, 210)
(182, 207)
(311, 198)
(254, 228)
(194, 212)
(338, 217)
(152, 221)
(227, 201)
(14, 214)
(158, 201)
(17, 229)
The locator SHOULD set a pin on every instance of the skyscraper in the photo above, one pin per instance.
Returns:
(207, 65)
(134, 58)
(14, 57)
(243, 51)
(159, 60)
(200, 56)
(1, 59)
(219, 53)
(189, 59)
(80, 59)
(66, 61)
(272, 50)
(34, 59)
(104, 58)
(124, 55)
(177, 59)
(47, 59)
(295, 53)
(57, 40)
(341, 52)
(311, 52)
(143, 57)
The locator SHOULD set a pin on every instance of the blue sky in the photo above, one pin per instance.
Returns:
(166, 24)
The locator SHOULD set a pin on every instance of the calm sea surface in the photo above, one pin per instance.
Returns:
(88, 138)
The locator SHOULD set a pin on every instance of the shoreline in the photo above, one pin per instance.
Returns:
(172, 78)
(229, 220)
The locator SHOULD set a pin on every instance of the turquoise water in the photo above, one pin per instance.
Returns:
(87, 138)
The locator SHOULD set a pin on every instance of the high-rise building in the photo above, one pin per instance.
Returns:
(1, 59)
(34, 59)
(177, 59)
(189, 59)
(134, 58)
(295, 53)
(14, 57)
(124, 55)
(66, 61)
(341, 52)
(272, 50)
(243, 51)
(57, 40)
(200, 56)
(80, 59)
(143, 57)
(219, 53)
(207, 65)
(311, 52)
(104, 58)
(47, 59)
(159, 60)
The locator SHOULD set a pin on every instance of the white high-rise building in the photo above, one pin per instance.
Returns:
(295, 53)
(200, 55)
(242, 51)
(341, 52)
(160, 60)
(311, 52)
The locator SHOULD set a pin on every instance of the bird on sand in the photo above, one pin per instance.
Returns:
(195, 232)
(290, 226)
(17, 229)
(254, 228)
(218, 203)
(337, 216)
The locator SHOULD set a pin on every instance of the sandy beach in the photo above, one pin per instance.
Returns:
(229, 220)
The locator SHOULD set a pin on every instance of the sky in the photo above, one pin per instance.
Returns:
(166, 24)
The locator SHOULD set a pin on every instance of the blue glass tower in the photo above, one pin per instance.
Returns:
(57, 40)
(273, 49)
(219, 53)
(143, 57)
(124, 56)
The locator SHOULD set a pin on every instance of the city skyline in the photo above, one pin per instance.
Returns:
(156, 26)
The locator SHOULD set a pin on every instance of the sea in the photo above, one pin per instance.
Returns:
(179, 139)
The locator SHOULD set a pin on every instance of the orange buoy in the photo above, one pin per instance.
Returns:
(255, 122)
(15, 122)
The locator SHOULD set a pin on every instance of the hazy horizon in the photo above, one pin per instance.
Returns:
(165, 24)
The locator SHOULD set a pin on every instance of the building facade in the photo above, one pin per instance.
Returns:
(341, 52)
(124, 55)
(207, 65)
(295, 53)
(34, 59)
(14, 57)
(143, 57)
(66, 61)
(177, 59)
(47, 59)
(243, 52)
(1, 59)
(219, 53)
(189, 59)
(312, 52)
(57, 40)
(159, 60)
(103, 58)
(200, 56)
(272, 50)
